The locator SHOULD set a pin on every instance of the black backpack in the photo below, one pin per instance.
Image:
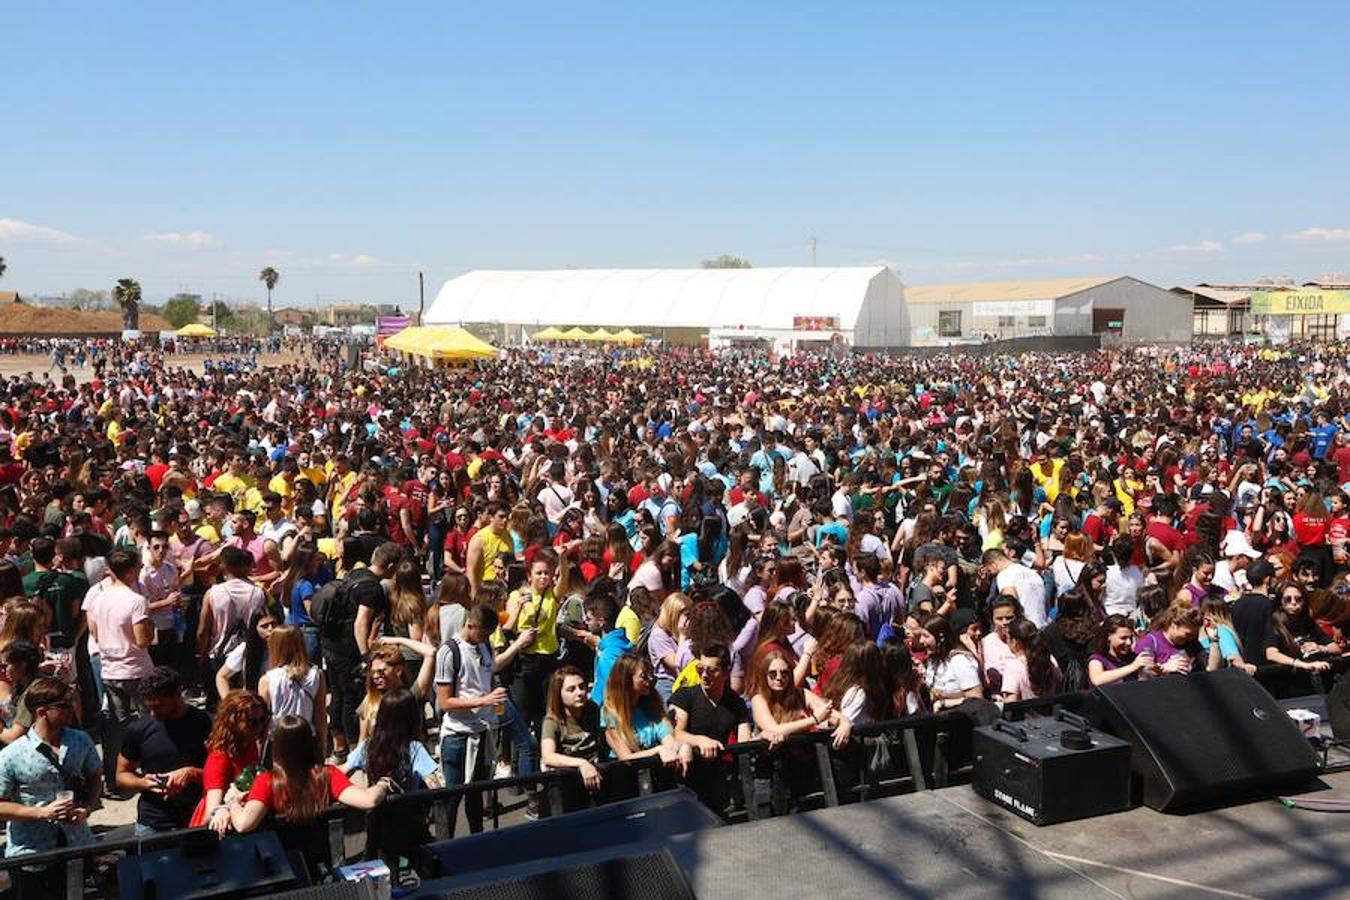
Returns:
(333, 608)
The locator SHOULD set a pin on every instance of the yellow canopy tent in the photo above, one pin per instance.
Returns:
(196, 329)
(628, 336)
(575, 333)
(603, 336)
(548, 334)
(440, 342)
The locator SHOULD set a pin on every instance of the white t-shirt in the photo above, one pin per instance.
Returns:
(1030, 590)
(1121, 595)
(474, 680)
(958, 672)
(841, 505)
(555, 498)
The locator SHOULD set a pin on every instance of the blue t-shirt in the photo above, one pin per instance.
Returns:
(423, 766)
(1228, 643)
(607, 652)
(649, 733)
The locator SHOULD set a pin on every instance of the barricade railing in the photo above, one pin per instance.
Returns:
(926, 751)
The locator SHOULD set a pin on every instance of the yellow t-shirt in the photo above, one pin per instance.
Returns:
(493, 546)
(233, 485)
(207, 532)
(630, 623)
(541, 613)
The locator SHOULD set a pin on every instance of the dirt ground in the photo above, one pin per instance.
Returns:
(37, 365)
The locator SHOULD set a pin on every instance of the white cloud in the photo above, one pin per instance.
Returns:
(365, 260)
(1249, 237)
(1199, 248)
(26, 232)
(198, 240)
(1323, 235)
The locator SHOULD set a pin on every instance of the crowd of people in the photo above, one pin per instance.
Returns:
(250, 584)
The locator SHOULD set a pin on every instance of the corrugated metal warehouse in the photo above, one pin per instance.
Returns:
(1121, 309)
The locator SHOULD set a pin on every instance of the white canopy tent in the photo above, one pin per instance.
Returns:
(866, 301)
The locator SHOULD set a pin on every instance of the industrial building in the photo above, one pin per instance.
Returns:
(1312, 311)
(1120, 309)
(781, 308)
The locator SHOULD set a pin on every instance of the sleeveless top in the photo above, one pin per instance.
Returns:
(292, 698)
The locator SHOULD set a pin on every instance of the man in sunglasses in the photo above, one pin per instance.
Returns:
(50, 779)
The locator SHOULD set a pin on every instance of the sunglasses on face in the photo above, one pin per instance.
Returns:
(778, 673)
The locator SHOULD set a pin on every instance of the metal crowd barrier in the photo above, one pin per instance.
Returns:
(928, 751)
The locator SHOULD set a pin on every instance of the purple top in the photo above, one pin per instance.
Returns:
(742, 647)
(1108, 663)
(1162, 649)
(659, 645)
(754, 599)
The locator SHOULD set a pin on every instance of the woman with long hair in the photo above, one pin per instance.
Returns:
(617, 558)
(445, 619)
(780, 708)
(1114, 658)
(407, 604)
(303, 576)
(841, 632)
(634, 717)
(1068, 568)
(733, 570)
(19, 665)
(247, 660)
(387, 670)
(394, 749)
(908, 694)
(664, 642)
(1196, 575)
(762, 585)
(293, 686)
(233, 749)
(299, 786)
(1172, 641)
(1295, 641)
(571, 736)
(1032, 672)
(1073, 635)
(952, 674)
(777, 625)
(1311, 524)
(659, 572)
(1217, 625)
(860, 689)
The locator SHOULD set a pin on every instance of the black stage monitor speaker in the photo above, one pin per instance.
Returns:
(619, 873)
(245, 865)
(1051, 770)
(654, 817)
(1206, 740)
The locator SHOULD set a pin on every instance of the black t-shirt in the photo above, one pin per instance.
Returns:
(706, 719)
(1251, 620)
(156, 746)
(362, 588)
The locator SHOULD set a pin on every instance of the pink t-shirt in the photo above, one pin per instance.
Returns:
(114, 612)
(231, 601)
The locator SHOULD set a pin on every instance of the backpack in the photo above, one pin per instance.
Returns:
(333, 609)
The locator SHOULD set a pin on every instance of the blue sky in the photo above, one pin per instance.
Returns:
(188, 145)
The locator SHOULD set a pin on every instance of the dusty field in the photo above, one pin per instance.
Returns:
(18, 365)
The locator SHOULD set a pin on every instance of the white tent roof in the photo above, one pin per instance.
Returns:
(675, 298)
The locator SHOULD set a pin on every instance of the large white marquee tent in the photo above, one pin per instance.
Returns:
(861, 304)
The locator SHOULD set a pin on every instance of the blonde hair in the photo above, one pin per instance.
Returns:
(675, 606)
(286, 650)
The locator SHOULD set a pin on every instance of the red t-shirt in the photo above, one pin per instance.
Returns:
(262, 787)
(1310, 531)
(1166, 535)
(220, 770)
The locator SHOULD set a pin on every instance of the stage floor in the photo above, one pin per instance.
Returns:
(953, 843)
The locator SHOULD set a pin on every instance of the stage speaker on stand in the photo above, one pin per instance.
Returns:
(1205, 740)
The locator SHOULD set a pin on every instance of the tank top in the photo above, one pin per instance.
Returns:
(292, 698)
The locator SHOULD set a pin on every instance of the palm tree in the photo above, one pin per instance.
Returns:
(269, 276)
(2, 267)
(127, 293)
